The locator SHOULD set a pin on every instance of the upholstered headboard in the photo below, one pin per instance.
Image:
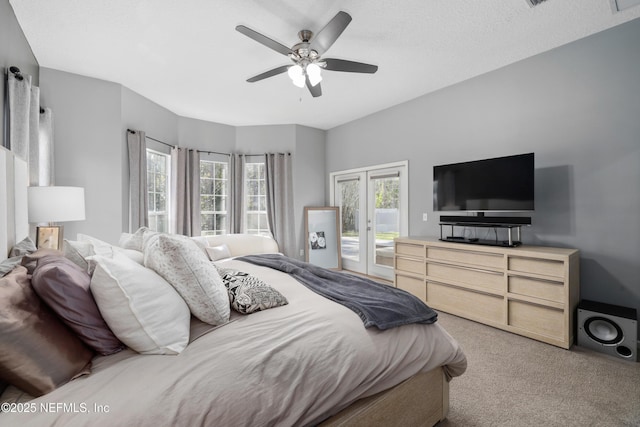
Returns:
(14, 225)
(242, 244)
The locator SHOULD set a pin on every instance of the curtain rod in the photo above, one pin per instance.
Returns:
(202, 151)
(16, 72)
(153, 139)
(213, 152)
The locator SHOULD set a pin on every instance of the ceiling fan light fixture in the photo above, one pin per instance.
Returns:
(296, 74)
(313, 71)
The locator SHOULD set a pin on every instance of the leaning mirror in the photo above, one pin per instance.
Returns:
(322, 230)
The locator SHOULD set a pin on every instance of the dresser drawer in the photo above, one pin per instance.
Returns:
(545, 289)
(472, 305)
(538, 319)
(410, 265)
(412, 285)
(410, 249)
(537, 266)
(492, 281)
(479, 259)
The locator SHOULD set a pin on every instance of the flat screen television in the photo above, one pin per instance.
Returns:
(501, 184)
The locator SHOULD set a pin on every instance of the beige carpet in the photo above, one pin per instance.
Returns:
(516, 381)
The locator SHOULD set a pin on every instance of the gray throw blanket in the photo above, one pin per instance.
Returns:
(377, 305)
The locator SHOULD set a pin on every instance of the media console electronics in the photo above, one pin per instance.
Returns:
(501, 184)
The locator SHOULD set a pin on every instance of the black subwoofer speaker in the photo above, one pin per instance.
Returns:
(608, 328)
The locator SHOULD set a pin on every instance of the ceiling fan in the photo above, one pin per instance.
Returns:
(307, 55)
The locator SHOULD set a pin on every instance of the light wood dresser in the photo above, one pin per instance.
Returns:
(528, 290)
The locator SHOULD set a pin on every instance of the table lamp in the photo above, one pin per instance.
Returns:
(50, 205)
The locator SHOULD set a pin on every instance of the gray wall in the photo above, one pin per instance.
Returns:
(206, 136)
(308, 174)
(14, 51)
(577, 107)
(91, 119)
(88, 147)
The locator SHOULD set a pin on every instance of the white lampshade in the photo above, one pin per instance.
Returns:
(297, 75)
(55, 204)
(313, 71)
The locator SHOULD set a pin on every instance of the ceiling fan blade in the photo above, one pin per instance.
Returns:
(349, 66)
(316, 90)
(262, 39)
(269, 73)
(330, 33)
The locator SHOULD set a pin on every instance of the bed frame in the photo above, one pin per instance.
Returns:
(422, 400)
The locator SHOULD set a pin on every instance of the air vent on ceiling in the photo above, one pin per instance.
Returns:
(534, 2)
(620, 5)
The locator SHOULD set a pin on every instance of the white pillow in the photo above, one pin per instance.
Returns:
(179, 260)
(133, 241)
(100, 247)
(216, 253)
(140, 307)
(124, 238)
(137, 256)
(77, 252)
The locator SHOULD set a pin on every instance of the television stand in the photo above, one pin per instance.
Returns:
(514, 233)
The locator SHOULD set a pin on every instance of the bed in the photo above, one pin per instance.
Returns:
(307, 362)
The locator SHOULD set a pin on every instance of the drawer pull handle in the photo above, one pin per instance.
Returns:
(477, 270)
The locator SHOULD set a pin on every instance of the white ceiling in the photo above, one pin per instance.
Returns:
(187, 56)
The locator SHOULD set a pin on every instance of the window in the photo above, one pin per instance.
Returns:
(158, 172)
(255, 199)
(214, 201)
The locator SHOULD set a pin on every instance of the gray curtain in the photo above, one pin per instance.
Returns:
(138, 201)
(236, 219)
(19, 103)
(26, 137)
(34, 136)
(46, 172)
(279, 180)
(185, 191)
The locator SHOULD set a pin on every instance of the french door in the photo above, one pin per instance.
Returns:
(374, 210)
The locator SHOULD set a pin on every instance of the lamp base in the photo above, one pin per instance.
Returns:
(49, 237)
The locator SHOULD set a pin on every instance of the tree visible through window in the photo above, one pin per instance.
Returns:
(256, 199)
(158, 190)
(214, 184)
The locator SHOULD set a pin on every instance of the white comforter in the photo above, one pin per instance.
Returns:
(292, 365)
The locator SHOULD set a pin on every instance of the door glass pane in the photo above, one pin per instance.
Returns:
(349, 193)
(386, 218)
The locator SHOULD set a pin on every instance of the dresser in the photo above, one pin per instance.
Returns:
(528, 290)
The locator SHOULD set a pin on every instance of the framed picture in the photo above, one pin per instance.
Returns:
(49, 237)
(322, 230)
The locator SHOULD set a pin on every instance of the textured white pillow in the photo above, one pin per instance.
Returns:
(140, 307)
(216, 253)
(133, 241)
(179, 260)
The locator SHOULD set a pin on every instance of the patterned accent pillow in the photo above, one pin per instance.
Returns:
(249, 294)
(179, 260)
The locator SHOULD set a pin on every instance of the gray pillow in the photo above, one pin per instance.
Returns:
(64, 287)
(37, 352)
(24, 247)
